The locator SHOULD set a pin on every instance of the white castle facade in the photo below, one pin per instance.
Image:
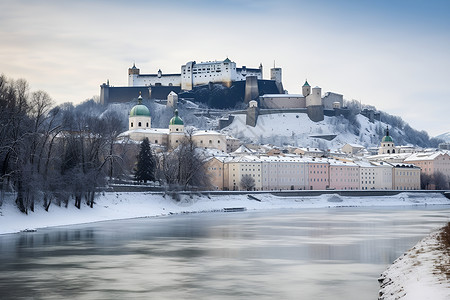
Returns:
(194, 74)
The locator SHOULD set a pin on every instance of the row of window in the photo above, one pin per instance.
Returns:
(139, 124)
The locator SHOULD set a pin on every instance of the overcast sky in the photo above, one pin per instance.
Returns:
(392, 54)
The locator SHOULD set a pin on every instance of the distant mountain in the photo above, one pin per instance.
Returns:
(444, 136)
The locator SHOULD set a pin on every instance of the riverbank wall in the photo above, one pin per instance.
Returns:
(282, 193)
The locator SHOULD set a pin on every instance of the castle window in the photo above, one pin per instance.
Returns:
(156, 141)
(139, 124)
(210, 141)
(147, 124)
(131, 124)
(218, 141)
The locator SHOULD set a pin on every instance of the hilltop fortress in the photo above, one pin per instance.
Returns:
(205, 81)
(193, 74)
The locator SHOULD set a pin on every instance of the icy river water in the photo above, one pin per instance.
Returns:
(331, 253)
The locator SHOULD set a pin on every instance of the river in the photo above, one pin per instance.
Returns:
(331, 253)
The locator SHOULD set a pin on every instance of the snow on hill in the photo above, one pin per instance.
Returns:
(444, 136)
(297, 129)
(278, 129)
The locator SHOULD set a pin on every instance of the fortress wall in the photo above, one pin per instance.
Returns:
(315, 113)
(282, 102)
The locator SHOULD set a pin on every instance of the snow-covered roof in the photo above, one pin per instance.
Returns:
(355, 145)
(206, 132)
(146, 130)
(244, 149)
(425, 156)
(334, 162)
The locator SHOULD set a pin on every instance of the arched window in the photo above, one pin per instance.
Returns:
(139, 124)
(147, 124)
(393, 150)
(131, 124)
(389, 152)
(156, 141)
(177, 129)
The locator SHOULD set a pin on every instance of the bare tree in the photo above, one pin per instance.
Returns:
(425, 181)
(440, 181)
(247, 182)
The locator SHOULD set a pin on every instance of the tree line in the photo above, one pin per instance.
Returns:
(52, 153)
(64, 154)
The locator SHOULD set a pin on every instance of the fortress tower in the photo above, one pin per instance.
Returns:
(275, 75)
(314, 105)
(133, 74)
(306, 89)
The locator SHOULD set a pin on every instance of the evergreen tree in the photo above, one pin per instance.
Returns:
(145, 169)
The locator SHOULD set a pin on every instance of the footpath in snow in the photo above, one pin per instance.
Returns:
(419, 274)
(116, 206)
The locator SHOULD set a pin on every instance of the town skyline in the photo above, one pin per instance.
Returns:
(389, 55)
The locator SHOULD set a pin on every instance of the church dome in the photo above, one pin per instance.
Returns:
(387, 137)
(176, 120)
(140, 109)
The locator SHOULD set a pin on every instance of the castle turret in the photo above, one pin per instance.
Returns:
(251, 88)
(139, 116)
(172, 100)
(314, 105)
(275, 75)
(252, 113)
(306, 89)
(133, 74)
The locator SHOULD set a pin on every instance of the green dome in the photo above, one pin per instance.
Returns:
(176, 120)
(139, 109)
(387, 138)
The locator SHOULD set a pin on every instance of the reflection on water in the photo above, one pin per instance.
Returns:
(301, 254)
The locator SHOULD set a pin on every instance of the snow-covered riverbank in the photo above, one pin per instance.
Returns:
(419, 274)
(115, 206)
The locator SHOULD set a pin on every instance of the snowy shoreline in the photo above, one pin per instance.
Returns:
(418, 273)
(125, 205)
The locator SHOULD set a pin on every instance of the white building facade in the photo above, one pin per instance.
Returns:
(194, 74)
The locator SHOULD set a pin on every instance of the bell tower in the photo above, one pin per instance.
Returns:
(306, 89)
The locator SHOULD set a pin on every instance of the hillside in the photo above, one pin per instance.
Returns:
(296, 129)
(445, 137)
(285, 128)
